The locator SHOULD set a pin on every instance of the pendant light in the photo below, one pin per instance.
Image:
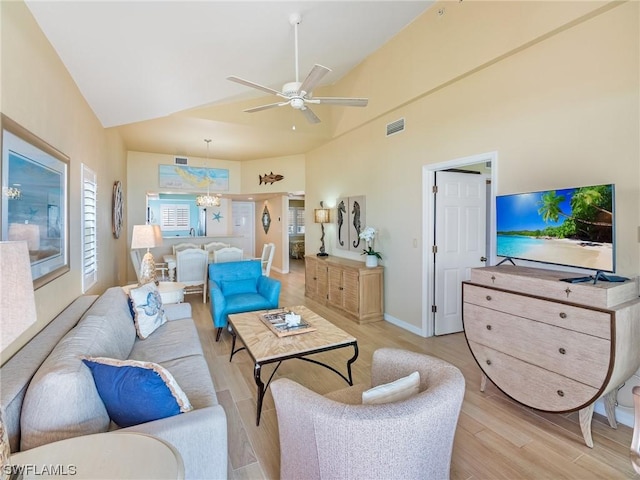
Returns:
(207, 200)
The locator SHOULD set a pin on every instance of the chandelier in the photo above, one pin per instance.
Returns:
(207, 200)
(13, 193)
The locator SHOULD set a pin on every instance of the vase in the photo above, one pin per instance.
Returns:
(372, 261)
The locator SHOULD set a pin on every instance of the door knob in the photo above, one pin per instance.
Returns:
(483, 259)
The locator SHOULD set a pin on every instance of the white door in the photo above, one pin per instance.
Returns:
(243, 214)
(460, 226)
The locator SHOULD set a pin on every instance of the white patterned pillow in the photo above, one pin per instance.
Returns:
(147, 307)
(400, 389)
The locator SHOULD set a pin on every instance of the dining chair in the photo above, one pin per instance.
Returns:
(191, 269)
(184, 246)
(227, 254)
(267, 257)
(213, 246)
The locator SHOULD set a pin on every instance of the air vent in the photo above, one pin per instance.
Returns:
(395, 127)
(181, 160)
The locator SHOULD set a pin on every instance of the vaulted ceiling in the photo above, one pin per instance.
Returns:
(156, 70)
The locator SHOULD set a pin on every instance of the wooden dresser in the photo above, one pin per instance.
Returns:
(552, 345)
(347, 285)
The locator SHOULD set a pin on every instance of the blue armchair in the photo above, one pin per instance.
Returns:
(236, 287)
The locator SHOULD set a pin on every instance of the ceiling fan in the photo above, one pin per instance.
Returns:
(298, 94)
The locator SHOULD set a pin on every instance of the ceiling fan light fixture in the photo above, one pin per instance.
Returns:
(297, 103)
(298, 93)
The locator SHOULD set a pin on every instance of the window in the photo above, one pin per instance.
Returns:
(296, 221)
(89, 228)
(175, 217)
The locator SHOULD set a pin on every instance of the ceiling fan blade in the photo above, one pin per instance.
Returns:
(344, 101)
(309, 115)
(242, 81)
(265, 107)
(314, 77)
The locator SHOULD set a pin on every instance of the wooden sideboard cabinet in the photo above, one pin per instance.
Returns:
(552, 345)
(347, 285)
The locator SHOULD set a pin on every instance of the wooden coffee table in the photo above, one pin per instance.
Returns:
(266, 347)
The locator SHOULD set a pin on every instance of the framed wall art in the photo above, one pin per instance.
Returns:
(34, 206)
(350, 221)
(193, 178)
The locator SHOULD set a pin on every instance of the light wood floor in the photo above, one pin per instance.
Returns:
(496, 437)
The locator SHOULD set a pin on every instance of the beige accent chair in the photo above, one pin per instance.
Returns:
(227, 254)
(191, 269)
(335, 436)
(635, 441)
(267, 257)
(184, 246)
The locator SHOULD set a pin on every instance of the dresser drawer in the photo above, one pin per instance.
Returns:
(592, 322)
(532, 385)
(548, 284)
(584, 358)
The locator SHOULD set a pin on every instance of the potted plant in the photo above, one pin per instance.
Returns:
(368, 235)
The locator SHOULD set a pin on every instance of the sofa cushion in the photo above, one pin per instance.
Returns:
(246, 302)
(174, 339)
(113, 304)
(193, 375)
(147, 306)
(135, 392)
(62, 400)
(395, 391)
(234, 287)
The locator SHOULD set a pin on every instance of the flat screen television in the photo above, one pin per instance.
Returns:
(573, 227)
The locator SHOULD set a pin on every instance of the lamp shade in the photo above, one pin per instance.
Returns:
(17, 300)
(321, 215)
(146, 236)
(29, 232)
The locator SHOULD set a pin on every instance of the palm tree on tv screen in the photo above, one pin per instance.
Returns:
(591, 216)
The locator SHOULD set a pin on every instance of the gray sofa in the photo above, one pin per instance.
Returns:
(48, 394)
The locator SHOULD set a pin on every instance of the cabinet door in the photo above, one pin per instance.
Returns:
(335, 293)
(351, 291)
(322, 285)
(310, 277)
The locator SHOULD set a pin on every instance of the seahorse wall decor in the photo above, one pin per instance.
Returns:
(350, 221)
(342, 210)
(357, 225)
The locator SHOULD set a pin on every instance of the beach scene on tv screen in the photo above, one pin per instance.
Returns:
(572, 227)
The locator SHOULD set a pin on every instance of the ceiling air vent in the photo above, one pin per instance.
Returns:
(395, 127)
(181, 160)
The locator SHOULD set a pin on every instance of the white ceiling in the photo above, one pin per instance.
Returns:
(156, 70)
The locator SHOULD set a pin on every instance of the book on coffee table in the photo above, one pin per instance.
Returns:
(277, 324)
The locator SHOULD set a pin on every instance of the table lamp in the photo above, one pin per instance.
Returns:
(147, 236)
(17, 300)
(321, 216)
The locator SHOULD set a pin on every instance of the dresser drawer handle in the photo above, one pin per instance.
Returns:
(562, 350)
(488, 327)
(488, 297)
(563, 315)
(560, 393)
(488, 362)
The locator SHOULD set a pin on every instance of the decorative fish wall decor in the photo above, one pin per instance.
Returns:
(270, 178)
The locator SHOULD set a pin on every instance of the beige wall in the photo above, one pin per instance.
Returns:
(41, 96)
(560, 111)
(291, 167)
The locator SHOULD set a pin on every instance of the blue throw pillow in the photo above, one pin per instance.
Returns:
(135, 392)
